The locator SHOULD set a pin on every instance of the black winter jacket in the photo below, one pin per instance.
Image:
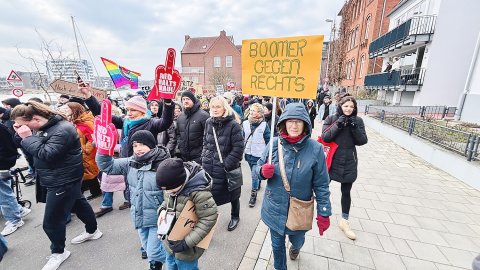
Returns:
(57, 153)
(154, 125)
(8, 151)
(190, 130)
(231, 143)
(345, 160)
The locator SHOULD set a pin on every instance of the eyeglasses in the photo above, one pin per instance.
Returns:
(294, 122)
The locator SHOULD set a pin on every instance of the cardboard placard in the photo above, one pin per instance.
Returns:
(282, 67)
(71, 89)
(105, 132)
(167, 79)
(185, 224)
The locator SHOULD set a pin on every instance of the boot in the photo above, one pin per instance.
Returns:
(233, 223)
(253, 199)
(345, 227)
(155, 265)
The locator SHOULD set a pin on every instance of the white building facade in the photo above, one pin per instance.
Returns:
(433, 41)
(65, 69)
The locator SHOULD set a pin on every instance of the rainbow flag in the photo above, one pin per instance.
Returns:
(120, 75)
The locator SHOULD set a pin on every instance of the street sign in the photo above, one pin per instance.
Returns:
(71, 89)
(230, 85)
(220, 90)
(14, 77)
(17, 92)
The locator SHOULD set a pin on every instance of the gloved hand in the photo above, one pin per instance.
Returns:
(267, 170)
(342, 121)
(323, 223)
(177, 245)
(352, 122)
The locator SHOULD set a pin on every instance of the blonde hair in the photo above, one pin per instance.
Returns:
(257, 106)
(228, 109)
(31, 108)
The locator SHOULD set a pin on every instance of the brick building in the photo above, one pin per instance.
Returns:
(364, 21)
(210, 61)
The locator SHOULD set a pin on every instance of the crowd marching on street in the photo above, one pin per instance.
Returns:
(161, 165)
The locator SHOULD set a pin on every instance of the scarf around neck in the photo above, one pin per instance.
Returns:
(128, 124)
(154, 156)
(291, 139)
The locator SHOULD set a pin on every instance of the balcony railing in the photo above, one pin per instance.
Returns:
(199, 70)
(410, 76)
(423, 25)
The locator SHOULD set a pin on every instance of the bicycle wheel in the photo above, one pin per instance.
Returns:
(25, 203)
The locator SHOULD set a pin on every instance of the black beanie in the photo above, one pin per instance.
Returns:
(13, 102)
(189, 95)
(171, 174)
(269, 106)
(145, 137)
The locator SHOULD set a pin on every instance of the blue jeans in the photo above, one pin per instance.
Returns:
(278, 246)
(107, 200)
(252, 161)
(9, 206)
(3, 246)
(176, 264)
(150, 242)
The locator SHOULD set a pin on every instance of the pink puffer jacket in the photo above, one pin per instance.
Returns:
(111, 183)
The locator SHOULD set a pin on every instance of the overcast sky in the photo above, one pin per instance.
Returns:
(136, 34)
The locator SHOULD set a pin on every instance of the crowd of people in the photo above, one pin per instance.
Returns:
(161, 162)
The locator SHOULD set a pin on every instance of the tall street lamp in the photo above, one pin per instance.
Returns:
(332, 30)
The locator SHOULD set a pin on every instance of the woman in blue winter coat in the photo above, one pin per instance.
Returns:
(306, 173)
(146, 197)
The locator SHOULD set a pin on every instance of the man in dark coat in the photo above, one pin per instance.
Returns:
(190, 127)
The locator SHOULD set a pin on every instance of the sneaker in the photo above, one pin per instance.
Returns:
(293, 254)
(124, 206)
(87, 236)
(253, 199)
(29, 182)
(11, 227)
(56, 259)
(103, 211)
(25, 211)
(345, 227)
(144, 255)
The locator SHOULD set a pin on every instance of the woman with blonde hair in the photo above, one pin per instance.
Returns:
(222, 152)
(257, 134)
(83, 121)
(57, 155)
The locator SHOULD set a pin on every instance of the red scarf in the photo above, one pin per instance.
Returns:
(291, 139)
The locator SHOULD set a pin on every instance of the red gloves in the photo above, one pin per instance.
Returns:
(267, 170)
(323, 223)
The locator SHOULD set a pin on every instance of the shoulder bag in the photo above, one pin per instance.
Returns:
(234, 177)
(300, 213)
(329, 148)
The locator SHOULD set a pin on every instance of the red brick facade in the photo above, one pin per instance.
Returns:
(198, 56)
(365, 14)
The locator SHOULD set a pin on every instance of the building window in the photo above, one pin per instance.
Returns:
(362, 62)
(228, 61)
(367, 26)
(217, 61)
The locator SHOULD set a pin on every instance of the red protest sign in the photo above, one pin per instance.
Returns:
(167, 79)
(105, 132)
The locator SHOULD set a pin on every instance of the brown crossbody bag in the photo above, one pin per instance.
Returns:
(300, 213)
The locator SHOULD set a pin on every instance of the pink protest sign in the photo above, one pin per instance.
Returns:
(167, 79)
(105, 132)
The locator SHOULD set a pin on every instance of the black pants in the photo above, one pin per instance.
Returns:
(235, 208)
(346, 199)
(93, 185)
(61, 201)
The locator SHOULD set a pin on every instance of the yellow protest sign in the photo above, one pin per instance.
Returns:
(282, 67)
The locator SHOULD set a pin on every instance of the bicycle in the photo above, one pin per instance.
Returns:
(15, 185)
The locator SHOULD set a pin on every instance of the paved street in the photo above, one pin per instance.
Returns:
(407, 215)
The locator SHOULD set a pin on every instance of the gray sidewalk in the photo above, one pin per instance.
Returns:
(406, 214)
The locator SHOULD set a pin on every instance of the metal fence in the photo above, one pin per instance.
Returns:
(408, 118)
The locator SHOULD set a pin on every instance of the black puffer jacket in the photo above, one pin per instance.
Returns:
(8, 151)
(231, 143)
(190, 130)
(345, 161)
(57, 153)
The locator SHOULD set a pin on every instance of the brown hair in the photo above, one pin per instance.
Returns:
(344, 100)
(31, 108)
(77, 110)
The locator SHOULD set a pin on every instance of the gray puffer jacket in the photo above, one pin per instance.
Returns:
(145, 196)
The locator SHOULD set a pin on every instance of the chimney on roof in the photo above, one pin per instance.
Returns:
(223, 33)
(187, 37)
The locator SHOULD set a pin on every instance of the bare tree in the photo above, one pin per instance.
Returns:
(221, 76)
(50, 52)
